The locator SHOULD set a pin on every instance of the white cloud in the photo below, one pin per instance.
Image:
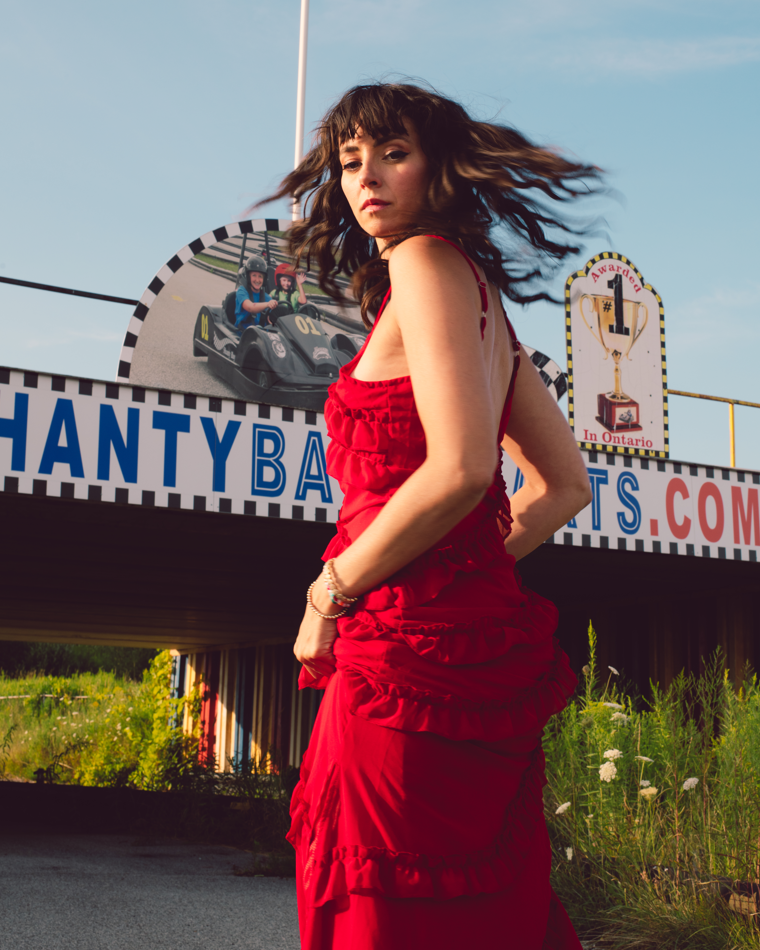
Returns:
(548, 34)
(651, 58)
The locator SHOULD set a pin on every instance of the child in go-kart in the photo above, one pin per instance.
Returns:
(252, 303)
(284, 291)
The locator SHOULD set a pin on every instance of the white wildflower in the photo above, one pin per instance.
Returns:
(562, 808)
(612, 705)
(620, 717)
(607, 771)
(589, 816)
(690, 784)
(131, 708)
(643, 758)
(645, 783)
(118, 725)
(649, 792)
(613, 754)
(569, 853)
(613, 670)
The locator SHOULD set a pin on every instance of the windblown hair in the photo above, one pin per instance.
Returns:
(483, 175)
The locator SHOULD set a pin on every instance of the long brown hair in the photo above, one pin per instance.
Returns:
(483, 175)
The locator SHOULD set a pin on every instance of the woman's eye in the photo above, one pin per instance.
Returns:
(351, 166)
(396, 155)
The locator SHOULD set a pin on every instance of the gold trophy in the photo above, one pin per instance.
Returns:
(614, 324)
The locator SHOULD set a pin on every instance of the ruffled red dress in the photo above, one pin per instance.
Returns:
(418, 820)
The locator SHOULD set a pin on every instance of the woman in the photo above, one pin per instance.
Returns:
(418, 821)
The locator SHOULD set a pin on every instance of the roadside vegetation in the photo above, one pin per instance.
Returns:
(653, 805)
(96, 728)
(102, 729)
(653, 809)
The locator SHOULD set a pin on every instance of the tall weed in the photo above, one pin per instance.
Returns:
(654, 808)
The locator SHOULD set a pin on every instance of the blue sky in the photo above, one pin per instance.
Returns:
(131, 129)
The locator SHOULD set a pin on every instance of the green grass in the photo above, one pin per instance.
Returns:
(95, 728)
(220, 262)
(645, 871)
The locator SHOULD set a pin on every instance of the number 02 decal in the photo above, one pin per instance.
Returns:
(204, 326)
(306, 325)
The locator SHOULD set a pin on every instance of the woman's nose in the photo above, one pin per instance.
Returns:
(369, 177)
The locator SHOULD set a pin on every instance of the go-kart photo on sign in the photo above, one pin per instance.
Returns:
(615, 325)
(230, 316)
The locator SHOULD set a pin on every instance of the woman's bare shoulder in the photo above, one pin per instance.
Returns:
(428, 252)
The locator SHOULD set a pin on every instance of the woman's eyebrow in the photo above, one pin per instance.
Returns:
(380, 140)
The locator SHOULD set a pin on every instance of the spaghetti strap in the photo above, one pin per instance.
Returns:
(511, 329)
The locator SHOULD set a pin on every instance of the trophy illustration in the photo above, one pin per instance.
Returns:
(614, 324)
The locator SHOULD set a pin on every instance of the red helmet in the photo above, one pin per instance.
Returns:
(283, 270)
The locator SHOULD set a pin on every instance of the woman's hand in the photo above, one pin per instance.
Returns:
(314, 645)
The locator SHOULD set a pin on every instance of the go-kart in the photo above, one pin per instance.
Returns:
(286, 360)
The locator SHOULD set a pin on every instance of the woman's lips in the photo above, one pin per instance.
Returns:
(374, 204)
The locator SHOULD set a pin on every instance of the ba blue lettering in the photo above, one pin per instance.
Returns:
(313, 474)
(267, 472)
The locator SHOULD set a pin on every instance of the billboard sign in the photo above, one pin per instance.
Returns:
(615, 328)
(228, 316)
(108, 442)
(113, 443)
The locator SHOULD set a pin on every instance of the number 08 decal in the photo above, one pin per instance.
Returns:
(306, 325)
(204, 326)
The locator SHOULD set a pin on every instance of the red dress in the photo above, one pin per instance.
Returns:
(418, 821)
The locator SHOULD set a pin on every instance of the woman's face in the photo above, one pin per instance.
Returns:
(385, 181)
(257, 279)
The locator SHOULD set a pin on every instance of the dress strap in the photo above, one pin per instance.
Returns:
(512, 334)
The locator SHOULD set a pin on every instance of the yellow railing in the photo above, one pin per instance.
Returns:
(731, 404)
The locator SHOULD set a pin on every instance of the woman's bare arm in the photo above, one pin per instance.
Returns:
(543, 447)
(436, 307)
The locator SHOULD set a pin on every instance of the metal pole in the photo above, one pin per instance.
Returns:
(301, 94)
(732, 433)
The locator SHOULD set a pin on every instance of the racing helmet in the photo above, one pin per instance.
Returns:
(283, 270)
(256, 265)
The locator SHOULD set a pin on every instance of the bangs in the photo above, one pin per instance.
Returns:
(378, 111)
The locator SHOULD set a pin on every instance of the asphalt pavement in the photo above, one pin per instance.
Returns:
(114, 892)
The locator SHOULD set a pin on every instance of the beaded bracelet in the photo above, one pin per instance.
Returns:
(319, 613)
(336, 596)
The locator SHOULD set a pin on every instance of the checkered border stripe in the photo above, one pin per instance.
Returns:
(601, 447)
(171, 267)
